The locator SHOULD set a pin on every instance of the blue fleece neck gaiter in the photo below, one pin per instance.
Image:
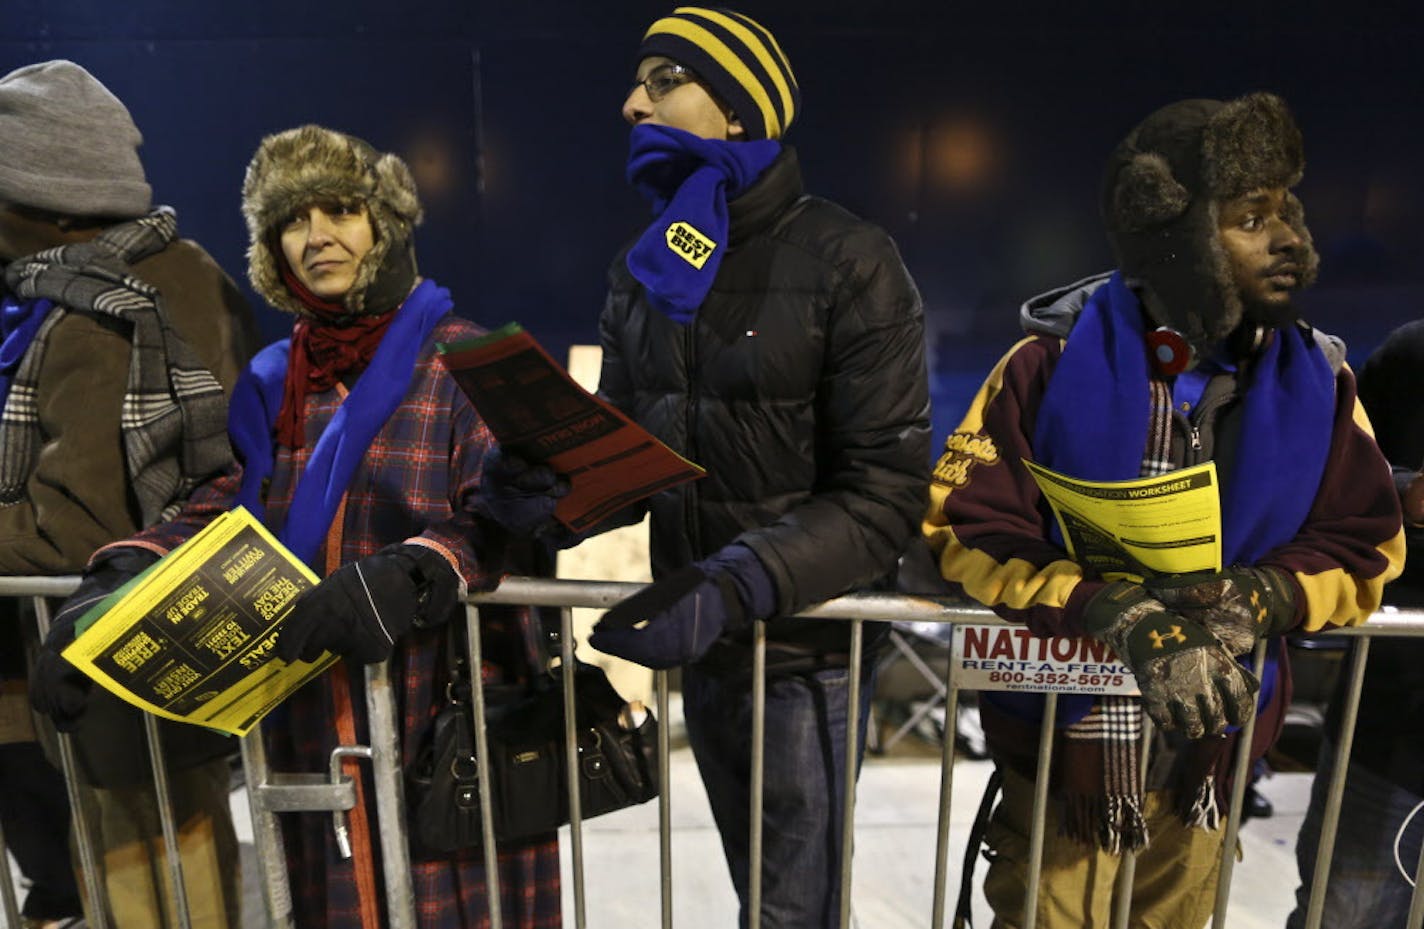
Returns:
(688, 180)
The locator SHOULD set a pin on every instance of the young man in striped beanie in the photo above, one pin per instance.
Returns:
(778, 341)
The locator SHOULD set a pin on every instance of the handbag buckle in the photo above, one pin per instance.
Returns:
(592, 762)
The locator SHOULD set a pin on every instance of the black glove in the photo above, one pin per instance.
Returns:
(521, 496)
(688, 611)
(364, 606)
(1239, 605)
(57, 688)
(1187, 679)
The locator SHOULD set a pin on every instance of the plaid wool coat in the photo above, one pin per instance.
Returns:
(419, 479)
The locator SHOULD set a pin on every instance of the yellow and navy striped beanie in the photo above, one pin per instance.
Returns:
(735, 56)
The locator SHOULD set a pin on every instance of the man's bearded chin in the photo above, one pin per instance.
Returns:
(1270, 315)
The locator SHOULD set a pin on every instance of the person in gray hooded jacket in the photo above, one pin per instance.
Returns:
(1191, 355)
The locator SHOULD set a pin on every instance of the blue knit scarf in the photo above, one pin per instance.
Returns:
(19, 321)
(379, 390)
(688, 180)
(1093, 422)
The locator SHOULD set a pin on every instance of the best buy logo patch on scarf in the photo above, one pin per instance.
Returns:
(689, 244)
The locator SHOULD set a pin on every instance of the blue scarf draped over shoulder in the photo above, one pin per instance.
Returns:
(20, 320)
(257, 396)
(688, 180)
(1094, 419)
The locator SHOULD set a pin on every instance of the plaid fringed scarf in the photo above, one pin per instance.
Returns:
(174, 421)
(1107, 809)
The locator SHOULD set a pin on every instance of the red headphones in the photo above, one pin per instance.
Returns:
(1169, 350)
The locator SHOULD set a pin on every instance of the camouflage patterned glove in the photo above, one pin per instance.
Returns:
(1187, 679)
(1238, 606)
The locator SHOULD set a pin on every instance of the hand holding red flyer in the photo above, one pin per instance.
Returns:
(538, 412)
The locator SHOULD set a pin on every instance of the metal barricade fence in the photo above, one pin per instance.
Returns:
(272, 793)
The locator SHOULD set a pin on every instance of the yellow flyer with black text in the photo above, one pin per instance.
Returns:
(192, 638)
(1167, 524)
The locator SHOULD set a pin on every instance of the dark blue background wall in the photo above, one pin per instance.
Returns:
(974, 133)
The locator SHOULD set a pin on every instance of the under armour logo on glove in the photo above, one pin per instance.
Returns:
(1173, 634)
(1188, 680)
(1239, 605)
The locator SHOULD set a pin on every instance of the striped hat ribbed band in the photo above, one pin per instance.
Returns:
(737, 57)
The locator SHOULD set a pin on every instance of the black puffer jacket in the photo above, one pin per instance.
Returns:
(800, 387)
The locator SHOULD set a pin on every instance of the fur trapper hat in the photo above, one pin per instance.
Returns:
(1160, 197)
(311, 164)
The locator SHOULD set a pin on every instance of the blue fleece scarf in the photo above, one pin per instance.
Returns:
(19, 321)
(1093, 423)
(379, 390)
(688, 180)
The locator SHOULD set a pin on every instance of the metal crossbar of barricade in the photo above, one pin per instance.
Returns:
(271, 793)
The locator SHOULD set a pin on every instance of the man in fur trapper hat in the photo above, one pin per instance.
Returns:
(359, 452)
(1166, 186)
(120, 343)
(1190, 355)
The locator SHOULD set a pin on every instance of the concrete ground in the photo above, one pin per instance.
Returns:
(896, 813)
(895, 849)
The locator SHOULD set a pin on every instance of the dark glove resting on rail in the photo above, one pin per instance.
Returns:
(1239, 605)
(1187, 679)
(365, 606)
(688, 611)
(57, 688)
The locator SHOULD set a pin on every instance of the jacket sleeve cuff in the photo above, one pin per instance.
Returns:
(449, 556)
(107, 550)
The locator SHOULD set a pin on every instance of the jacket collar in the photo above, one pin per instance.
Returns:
(778, 187)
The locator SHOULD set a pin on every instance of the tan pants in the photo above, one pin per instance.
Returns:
(1174, 886)
(134, 870)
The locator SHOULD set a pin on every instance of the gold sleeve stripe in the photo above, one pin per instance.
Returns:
(1362, 419)
(1016, 583)
(729, 61)
(1337, 598)
(974, 419)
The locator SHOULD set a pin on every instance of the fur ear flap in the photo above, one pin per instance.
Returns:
(1146, 194)
(396, 187)
(1293, 212)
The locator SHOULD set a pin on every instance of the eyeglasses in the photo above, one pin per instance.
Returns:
(664, 79)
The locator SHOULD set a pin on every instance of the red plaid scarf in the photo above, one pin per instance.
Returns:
(324, 348)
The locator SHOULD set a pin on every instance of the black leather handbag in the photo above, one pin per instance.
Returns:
(528, 769)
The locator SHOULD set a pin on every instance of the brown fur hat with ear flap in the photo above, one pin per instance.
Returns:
(299, 167)
(1160, 196)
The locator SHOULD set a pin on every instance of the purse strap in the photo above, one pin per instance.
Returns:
(550, 645)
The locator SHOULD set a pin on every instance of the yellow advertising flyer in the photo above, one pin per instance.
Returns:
(1167, 524)
(192, 638)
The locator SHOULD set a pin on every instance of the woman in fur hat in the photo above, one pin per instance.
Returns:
(361, 454)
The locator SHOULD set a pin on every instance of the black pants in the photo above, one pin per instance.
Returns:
(34, 811)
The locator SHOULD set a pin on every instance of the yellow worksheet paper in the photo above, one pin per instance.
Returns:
(1167, 524)
(193, 638)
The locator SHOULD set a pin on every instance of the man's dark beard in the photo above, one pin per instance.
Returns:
(1270, 315)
